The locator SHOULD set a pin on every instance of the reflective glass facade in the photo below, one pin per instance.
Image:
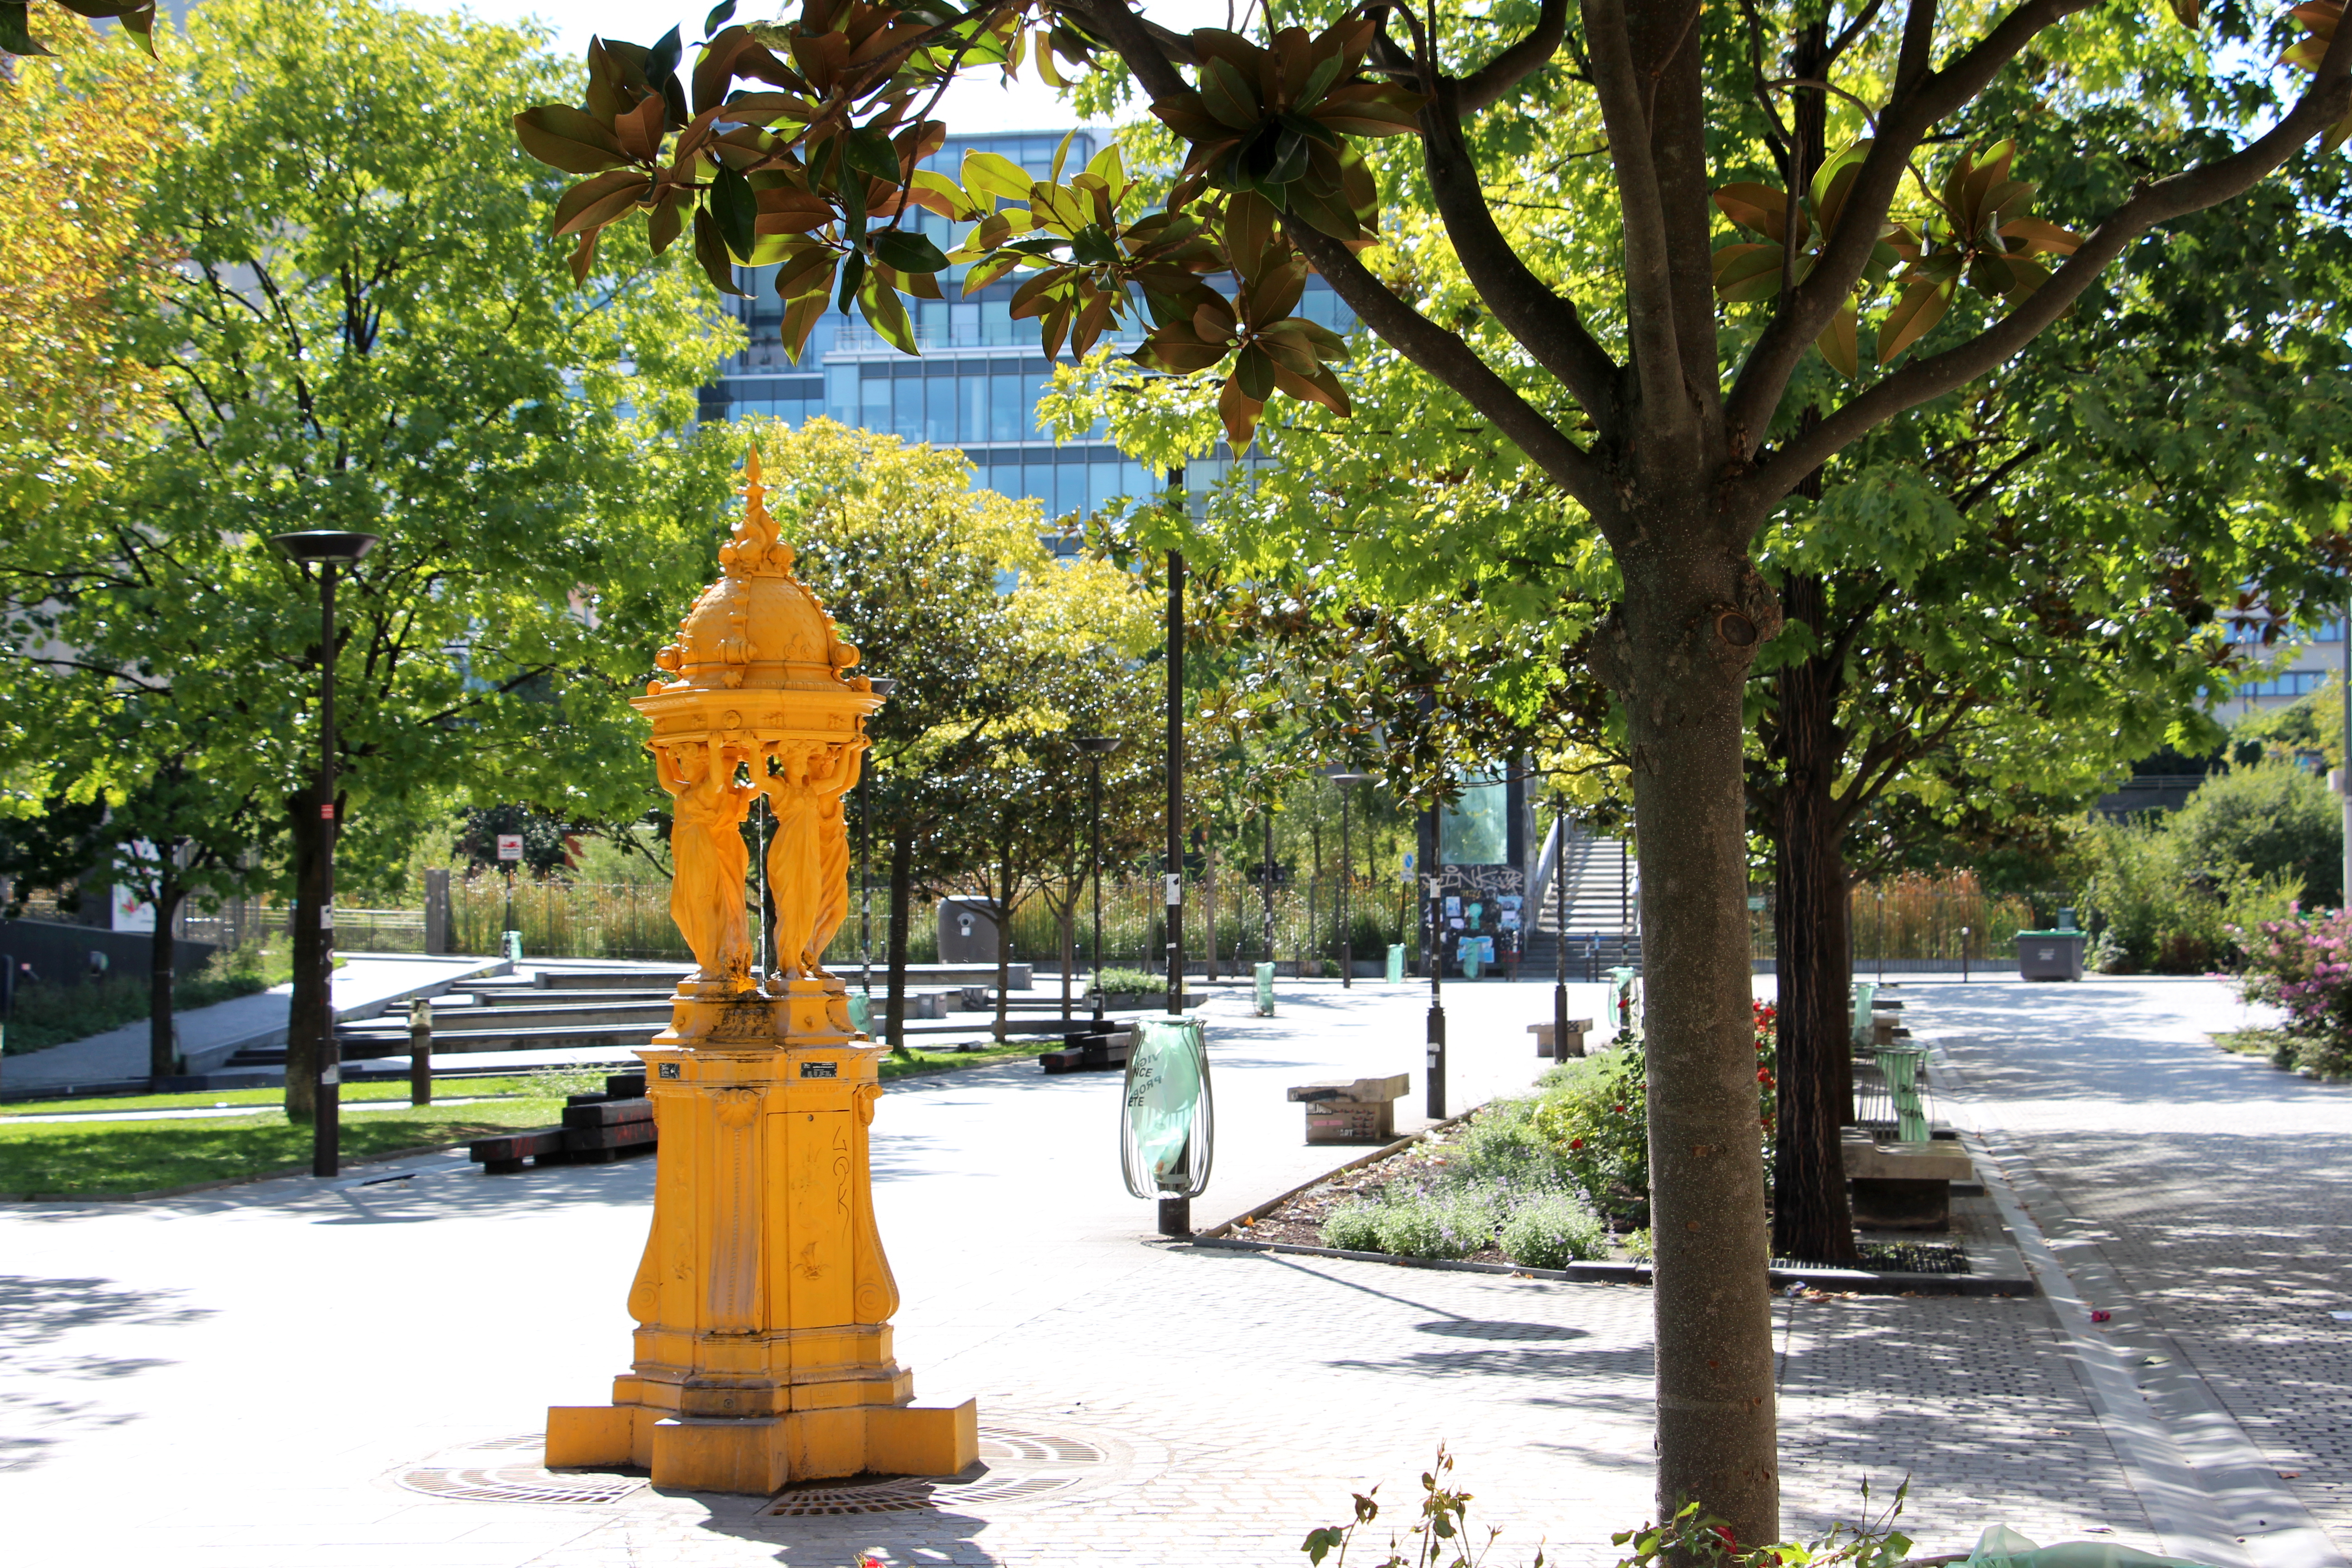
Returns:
(976, 384)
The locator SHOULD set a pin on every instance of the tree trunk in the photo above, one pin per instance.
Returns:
(902, 887)
(1680, 656)
(311, 1012)
(1811, 1219)
(162, 1051)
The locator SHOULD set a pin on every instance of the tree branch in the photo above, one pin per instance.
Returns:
(1649, 259)
(2192, 191)
(1459, 366)
(1490, 81)
(1806, 309)
(1546, 324)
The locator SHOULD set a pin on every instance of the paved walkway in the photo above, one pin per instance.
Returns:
(2204, 1201)
(291, 1373)
(363, 987)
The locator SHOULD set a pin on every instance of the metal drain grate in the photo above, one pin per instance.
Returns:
(1016, 1467)
(519, 1483)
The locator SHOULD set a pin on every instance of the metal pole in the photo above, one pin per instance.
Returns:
(2345, 774)
(866, 893)
(1266, 888)
(1437, 1039)
(1346, 899)
(1095, 758)
(1175, 872)
(1176, 1212)
(1560, 944)
(326, 1128)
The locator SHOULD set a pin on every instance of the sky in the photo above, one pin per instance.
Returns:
(977, 103)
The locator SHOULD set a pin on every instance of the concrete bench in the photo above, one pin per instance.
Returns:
(1351, 1111)
(596, 1128)
(1576, 1029)
(1904, 1186)
(1090, 1051)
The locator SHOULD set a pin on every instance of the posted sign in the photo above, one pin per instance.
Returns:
(510, 846)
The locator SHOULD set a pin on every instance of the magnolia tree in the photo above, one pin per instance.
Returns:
(1662, 406)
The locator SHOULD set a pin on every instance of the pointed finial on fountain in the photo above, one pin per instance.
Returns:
(757, 549)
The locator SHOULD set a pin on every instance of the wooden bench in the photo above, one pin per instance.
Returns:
(1351, 1111)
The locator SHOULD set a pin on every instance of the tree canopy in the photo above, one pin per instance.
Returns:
(1778, 229)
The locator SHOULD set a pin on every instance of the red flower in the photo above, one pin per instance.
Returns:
(1764, 1076)
(1729, 1545)
(1576, 1142)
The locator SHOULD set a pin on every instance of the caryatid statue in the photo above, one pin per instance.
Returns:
(762, 1298)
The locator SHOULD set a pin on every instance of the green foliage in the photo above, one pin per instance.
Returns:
(1128, 982)
(366, 336)
(2273, 820)
(2152, 907)
(1353, 1227)
(1551, 1233)
(1594, 1116)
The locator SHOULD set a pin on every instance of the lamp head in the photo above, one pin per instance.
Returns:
(1341, 773)
(1096, 745)
(325, 546)
(881, 684)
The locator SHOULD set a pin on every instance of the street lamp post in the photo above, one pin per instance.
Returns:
(883, 686)
(1432, 947)
(326, 549)
(1559, 943)
(1176, 1214)
(1097, 747)
(1339, 775)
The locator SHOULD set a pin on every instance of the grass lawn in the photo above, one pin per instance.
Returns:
(84, 1158)
(915, 1063)
(443, 1089)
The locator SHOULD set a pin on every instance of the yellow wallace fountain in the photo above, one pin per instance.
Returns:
(763, 1301)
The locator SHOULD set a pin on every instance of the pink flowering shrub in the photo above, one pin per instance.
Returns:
(2304, 964)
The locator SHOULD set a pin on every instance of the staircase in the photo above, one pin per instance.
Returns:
(1603, 896)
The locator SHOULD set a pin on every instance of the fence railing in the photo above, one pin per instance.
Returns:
(1917, 923)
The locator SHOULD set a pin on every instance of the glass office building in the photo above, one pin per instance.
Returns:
(975, 385)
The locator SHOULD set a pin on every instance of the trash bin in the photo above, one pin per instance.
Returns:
(1264, 972)
(2050, 955)
(1396, 963)
(1901, 1065)
(861, 1012)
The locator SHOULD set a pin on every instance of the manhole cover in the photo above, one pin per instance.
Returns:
(1018, 1466)
(1481, 1329)
(489, 1471)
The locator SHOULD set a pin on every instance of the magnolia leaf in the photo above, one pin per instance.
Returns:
(1061, 156)
(2041, 234)
(1763, 208)
(908, 252)
(984, 273)
(665, 221)
(1838, 344)
(1254, 371)
(1229, 96)
(711, 252)
(870, 153)
(566, 139)
(989, 175)
(800, 319)
(1239, 411)
(1250, 223)
(2186, 12)
(736, 210)
(1923, 304)
(1748, 272)
(718, 13)
(592, 203)
(880, 305)
(583, 254)
(809, 271)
